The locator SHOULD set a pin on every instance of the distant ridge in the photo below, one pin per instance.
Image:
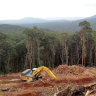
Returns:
(61, 25)
(64, 25)
(23, 21)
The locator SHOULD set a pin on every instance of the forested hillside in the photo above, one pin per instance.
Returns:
(36, 47)
(62, 25)
(11, 28)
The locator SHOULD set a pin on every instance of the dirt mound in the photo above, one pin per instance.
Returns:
(75, 70)
(90, 72)
(65, 72)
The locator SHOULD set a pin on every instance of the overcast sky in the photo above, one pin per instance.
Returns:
(17, 9)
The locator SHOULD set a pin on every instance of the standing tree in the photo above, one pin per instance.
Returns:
(85, 29)
(63, 37)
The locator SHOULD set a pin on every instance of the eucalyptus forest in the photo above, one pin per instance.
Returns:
(40, 47)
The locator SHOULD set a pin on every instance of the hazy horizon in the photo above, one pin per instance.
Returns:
(50, 18)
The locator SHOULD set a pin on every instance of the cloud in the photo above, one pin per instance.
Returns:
(11, 9)
(91, 5)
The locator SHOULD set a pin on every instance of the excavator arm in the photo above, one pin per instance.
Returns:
(42, 68)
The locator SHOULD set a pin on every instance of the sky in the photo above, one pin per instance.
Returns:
(17, 9)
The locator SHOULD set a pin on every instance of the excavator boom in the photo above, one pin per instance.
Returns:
(42, 68)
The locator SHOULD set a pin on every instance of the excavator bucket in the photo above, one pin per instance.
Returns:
(26, 75)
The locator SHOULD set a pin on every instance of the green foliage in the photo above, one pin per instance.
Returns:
(5, 28)
(10, 54)
(37, 47)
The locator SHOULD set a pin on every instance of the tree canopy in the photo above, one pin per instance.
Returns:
(36, 47)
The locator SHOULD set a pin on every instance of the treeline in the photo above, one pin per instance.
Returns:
(36, 47)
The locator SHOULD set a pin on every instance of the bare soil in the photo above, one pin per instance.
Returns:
(70, 81)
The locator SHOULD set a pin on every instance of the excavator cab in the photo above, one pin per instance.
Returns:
(27, 72)
(26, 75)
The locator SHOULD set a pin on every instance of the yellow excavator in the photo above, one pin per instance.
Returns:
(34, 74)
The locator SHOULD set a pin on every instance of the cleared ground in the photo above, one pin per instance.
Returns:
(71, 81)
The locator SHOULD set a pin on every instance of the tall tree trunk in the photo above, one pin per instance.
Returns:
(44, 58)
(77, 54)
(8, 62)
(0, 60)
(52, 60)
(95, 55)
(31, 53)
(62, 55)
(66, 51)
(90, 57)
(71, 56)
(53, 56)
(83, 49)
(38, 45)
